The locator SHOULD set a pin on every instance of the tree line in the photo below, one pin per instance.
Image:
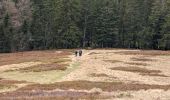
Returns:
(51, 24)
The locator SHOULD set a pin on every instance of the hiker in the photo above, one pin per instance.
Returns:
(76, 53)
(80, 53)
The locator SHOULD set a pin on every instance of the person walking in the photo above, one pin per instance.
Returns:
(76, 53)
(80, 53)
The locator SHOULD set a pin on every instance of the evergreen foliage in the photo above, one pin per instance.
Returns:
(51, 24)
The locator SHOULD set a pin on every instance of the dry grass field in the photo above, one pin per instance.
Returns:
(112, 74)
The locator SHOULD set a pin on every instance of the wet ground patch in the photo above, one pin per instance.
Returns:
(99, 75)
(136, 63)
(145, 53)
(48, 65)
(113, 61)
(141, 71)
(136, 69)
(93, 53)
(142, 59)
(45, 67)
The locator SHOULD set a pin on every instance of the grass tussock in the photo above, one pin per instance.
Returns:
(77, 85)
(136, 64)
(99, 75)
(53, 95)
(45, 67)
(102, 75)
(48, 90)
(93, 53)
(49, 65)
(154, 74)
(113, 61)
(142, 59)
(141, 71)
(53, 64)
(145, 53)
(4, 81)
(136, 69)
(88, 85)
(7, 84)
(122, 95)
(61, 60)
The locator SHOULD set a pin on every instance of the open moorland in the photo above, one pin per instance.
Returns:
(112, 74)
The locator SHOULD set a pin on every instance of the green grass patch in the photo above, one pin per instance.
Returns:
(44, 77)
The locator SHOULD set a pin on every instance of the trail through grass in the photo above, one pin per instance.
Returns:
(45, 77)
